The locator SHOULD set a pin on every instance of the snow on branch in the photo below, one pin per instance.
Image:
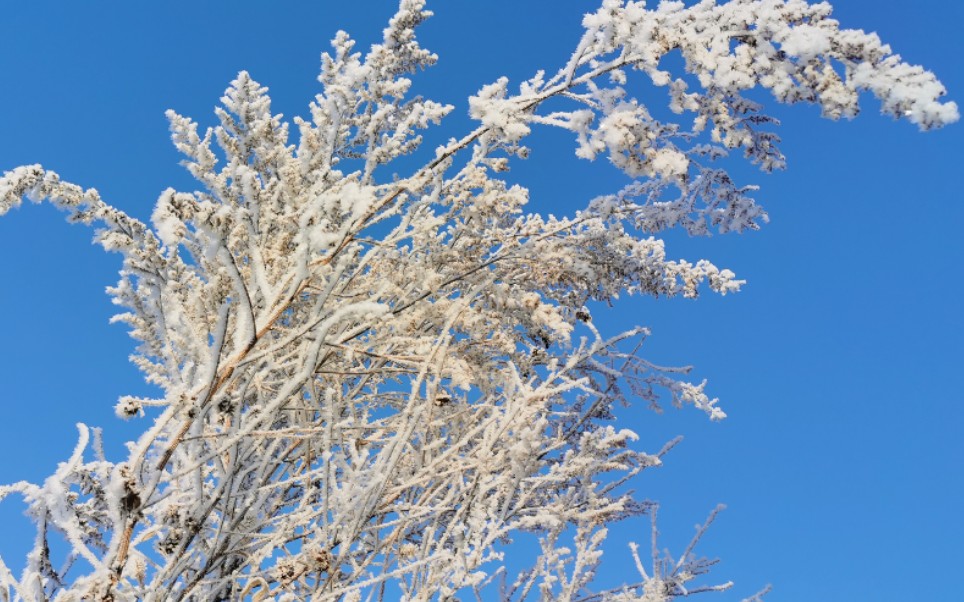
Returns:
(373, 380)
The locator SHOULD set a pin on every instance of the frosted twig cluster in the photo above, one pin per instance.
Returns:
(371, 384)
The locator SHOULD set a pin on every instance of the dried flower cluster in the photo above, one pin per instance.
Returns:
(370, 383)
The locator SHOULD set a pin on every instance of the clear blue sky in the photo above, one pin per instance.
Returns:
(839, 364)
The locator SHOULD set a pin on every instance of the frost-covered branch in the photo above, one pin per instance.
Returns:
(372, 380)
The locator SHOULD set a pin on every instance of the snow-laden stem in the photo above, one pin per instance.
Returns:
(370, 384)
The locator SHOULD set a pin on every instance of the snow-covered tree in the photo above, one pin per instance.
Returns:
(374, 375)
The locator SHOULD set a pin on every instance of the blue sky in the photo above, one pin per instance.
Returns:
(839, 364)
